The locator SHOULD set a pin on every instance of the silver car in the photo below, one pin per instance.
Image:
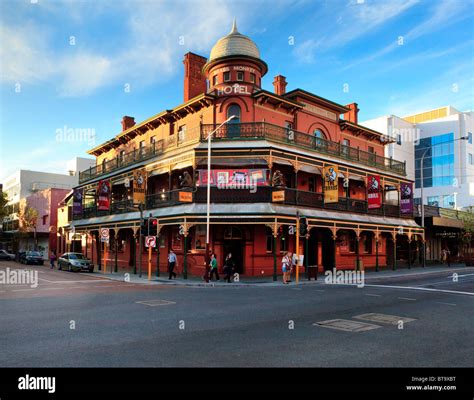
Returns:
(75, 262)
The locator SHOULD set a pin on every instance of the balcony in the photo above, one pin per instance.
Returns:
(278, 134)
(122, 161)
(263, 194)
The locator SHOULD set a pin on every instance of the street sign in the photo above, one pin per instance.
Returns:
(186, 197)
(104, 234)
(278, 196)
(150, 241)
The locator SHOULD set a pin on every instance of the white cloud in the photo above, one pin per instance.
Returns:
(445, 13)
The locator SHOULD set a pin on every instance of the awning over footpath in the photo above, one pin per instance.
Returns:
(246, 211)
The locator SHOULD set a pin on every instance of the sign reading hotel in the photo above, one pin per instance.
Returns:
(139, 185)
(374, 194)
(233, 89)
(103, 194)
(406, 198)
(331, 188)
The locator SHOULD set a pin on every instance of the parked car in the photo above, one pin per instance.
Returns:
(4, 255)
(75, 262)
(32, 257)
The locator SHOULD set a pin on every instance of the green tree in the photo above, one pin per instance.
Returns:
(28, 218)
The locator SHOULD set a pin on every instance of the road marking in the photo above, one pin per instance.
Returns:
(448, 304)
(22, 290)
(407, 298)
(371, 294)
(154, 303)
(346, 325)
(296, 288)
(384, 318)
(421, 288)
(322, 291)
(53, 288)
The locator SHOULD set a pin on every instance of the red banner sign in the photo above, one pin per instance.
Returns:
(103, 193)
(374, 192)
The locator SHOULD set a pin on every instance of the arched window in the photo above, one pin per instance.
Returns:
(319, 139)
(318, 133)
(234, 124)
(234, 109)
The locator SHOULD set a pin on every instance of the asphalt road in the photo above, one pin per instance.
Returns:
(262, 325)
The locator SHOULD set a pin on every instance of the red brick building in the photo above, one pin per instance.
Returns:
(278, 147)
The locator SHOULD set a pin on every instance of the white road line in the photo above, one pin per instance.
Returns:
(53, 288)
(22, 290)
(421, 288)
(447, 304)
(371, 294)
(407, 298)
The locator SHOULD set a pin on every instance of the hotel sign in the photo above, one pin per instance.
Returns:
(139, 185)
(233, 89)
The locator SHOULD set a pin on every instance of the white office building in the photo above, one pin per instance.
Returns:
(448, 162)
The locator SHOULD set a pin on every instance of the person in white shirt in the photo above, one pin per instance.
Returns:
(172, 260)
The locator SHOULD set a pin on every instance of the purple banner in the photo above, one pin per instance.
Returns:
(77, 202)
(406, 198)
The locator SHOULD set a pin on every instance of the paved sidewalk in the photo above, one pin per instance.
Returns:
(266, 281)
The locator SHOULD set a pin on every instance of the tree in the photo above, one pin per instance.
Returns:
(3, 205)
(28, 218)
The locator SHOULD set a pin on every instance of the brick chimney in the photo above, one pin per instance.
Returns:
(279, 85)
(194, 80)
(351, 115)
(127, 122)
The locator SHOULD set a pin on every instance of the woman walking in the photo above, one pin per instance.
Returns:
(229, 267)
(286, 267)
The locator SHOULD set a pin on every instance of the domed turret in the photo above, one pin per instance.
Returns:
(235, 47)
(234, 44)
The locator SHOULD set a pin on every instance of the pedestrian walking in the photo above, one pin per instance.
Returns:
(52, 259)
(448, 257)
(285, 267)
(213, 265)
(229, 267)
(172, 261)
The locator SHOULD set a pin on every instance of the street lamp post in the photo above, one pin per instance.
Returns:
(208, 214)
(422, 184)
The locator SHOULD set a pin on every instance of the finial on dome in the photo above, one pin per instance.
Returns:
(234, 27)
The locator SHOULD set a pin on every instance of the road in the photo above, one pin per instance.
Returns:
(78, 320)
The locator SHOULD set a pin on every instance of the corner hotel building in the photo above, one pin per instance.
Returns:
(299, 134)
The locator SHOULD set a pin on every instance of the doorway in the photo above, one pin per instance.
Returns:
(233, 243)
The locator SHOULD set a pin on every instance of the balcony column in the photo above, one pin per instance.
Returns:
(158, 229)
(334, 246)
(306, 254)
(394, 241)
(275, 234)
(99, 251)
(357, 238)
(136, 235)
(185, 251)
(409, 250)
(377, 240)
(116, 249)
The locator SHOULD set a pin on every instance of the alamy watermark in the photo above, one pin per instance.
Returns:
(19, 277)
(340, 277)
(70, 135)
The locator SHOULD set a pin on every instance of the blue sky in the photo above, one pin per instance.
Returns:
(69, 63)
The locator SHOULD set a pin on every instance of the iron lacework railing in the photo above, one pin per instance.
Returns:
(262, 194)
(275, 133)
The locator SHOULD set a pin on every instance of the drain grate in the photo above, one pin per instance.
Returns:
(346, 325)
(154, 303)
(384, 318)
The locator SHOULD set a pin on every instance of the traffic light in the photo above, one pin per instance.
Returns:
(153, 225)
(144, 227)
(303, 227)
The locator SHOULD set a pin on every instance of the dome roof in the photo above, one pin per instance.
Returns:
(234, 44)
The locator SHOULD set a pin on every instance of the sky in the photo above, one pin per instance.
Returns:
(83, 64)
